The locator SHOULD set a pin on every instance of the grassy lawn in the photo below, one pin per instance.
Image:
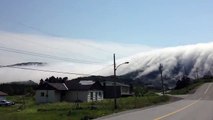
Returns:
(191, 88)
(68, 111)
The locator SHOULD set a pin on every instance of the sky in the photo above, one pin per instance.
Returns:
(157, 23)
(79, 56)
(77, 31)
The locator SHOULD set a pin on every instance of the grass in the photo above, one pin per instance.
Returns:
(191, 88)
(68, 111)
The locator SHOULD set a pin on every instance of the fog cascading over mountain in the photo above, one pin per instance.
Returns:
(190, 60)
(142, 67)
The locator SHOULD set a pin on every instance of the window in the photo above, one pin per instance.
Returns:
(91, 95)
(125, 89)
(96, 96)
(42, 94)
(47, 93)
(100, 94)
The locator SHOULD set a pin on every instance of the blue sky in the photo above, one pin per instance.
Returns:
(158, 23)
(92, 30)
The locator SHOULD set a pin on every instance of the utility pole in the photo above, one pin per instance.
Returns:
(184, 70)
(115, 91)
(162, 82)
(197, 70)
(115, 78)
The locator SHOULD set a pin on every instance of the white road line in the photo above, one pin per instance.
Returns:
(207, 88)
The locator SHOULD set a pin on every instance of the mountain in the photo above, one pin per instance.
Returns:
(29, 82)
(28, 64)
(191, 60)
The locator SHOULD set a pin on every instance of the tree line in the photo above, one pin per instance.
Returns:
(17, 89)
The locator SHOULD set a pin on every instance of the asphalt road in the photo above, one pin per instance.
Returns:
(197, 106)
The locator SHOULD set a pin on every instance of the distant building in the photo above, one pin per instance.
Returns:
(71, 91)
(3, 95)
(121, 89)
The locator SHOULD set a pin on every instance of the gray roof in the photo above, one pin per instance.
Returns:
(59, 86)
(83, 85)
(3, 94)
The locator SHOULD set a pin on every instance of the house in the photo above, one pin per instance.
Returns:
(50, 92)
(71, 91)
(85, 90)
(3, 95)
(121, 89)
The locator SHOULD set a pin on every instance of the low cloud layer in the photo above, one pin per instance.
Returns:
(191, 59)
(69, 55)
(73, 53)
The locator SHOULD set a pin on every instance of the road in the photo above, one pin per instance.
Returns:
(197, 106)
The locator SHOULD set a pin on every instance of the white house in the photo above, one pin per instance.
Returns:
(50, 92)
(84, 91)
(3, 95)
(71, 91)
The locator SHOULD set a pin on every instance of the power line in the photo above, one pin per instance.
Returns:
(53, 34)
(58, 36)
(52, 71)
(17, 51)
(101, 69)
(41, 70)
(47, 46)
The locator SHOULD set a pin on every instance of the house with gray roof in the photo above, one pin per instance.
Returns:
(71, 91)
(50, 92)
(84, 90)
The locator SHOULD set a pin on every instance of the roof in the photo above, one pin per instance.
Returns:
(83, 85)
(75, 85)
(3, 94)
(110, 83)
(59, 86)
(52, 86)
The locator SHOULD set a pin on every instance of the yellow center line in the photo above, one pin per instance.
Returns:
(207, 88)
(176, 111)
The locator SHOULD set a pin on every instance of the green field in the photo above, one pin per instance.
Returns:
(191, 88)
(68, 111)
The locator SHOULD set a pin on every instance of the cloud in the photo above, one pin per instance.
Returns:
(62, 54)
(189, 57)
(72, 55)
